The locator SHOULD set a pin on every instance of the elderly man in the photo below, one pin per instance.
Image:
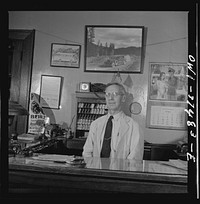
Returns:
(124, 140)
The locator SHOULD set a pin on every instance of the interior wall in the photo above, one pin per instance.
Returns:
(69, 27)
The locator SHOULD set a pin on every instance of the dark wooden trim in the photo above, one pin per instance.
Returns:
(27, 36)
(94, 181)
(19, 34)
(57, 179)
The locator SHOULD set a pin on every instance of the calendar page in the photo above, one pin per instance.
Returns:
(167, 116)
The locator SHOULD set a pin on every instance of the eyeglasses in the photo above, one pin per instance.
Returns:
(114, 94)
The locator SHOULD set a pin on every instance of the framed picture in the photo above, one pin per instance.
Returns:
(168, 81)
(65, 55)
(114, 48)
(50, 91)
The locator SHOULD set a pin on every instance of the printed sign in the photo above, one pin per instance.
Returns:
(36, 116)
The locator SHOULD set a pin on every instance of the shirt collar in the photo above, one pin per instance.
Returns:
(116, 116)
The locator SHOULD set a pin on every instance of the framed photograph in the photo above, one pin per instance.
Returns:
(65, 55)
(50, 91)
(168, 81)
(114, 48)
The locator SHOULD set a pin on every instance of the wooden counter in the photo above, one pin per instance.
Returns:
(34, 174)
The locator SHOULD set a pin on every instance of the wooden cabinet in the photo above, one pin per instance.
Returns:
(89, 106)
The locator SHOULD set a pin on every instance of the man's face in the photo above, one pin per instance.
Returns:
(114, 98)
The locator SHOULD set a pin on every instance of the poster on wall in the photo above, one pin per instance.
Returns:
(167, 96)
(36, 116)
(168, 81)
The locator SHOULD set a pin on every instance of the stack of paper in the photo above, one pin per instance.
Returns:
(27, 137)
(54, 157)
(70, 159)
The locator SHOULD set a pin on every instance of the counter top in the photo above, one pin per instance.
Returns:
(164, 175)
(174, 167)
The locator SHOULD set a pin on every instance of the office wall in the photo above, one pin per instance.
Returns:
(69, 27)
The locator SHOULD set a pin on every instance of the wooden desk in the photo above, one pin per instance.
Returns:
(27, 174)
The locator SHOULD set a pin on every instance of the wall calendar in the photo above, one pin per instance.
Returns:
(167, 96)
(167, 116)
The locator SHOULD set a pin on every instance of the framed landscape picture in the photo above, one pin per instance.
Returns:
(114, 49)
(65, 55)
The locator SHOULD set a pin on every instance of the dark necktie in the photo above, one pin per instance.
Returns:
(105, 151)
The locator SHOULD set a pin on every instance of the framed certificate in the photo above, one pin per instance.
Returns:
(50, 91)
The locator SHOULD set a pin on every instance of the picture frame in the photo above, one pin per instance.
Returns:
(168, 81)
(65, 55)
(114, 48)
(50, 91)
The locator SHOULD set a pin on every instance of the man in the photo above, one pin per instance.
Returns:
(161, 86)
(172, 84)
(125, 141)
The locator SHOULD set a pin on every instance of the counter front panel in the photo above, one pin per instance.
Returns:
(48, 172)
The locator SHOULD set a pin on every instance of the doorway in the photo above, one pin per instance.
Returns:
(20, 58)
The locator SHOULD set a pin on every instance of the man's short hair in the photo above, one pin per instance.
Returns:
(121, 87)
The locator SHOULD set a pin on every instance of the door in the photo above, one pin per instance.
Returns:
(21, 45)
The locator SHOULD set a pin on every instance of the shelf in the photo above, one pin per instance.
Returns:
(89, 107)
